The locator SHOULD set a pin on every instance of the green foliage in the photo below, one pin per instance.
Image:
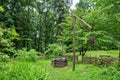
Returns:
(103, 16)
(117, 43)
(1, 8)
(102, 39)
(110, 71)
(22, 71)
(35, 21)
(7, 37)
(24, 55)
(42, 70)
(4, 57)
(111, 74)
(39, 23)
(116, 64)
(54, 50)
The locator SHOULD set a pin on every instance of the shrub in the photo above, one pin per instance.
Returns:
(4, 57)
(111, 74)
(54, 50)
(7, 37)
(24, 55)
(115, 64)
(110, 71)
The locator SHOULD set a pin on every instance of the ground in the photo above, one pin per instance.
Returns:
(42, 70)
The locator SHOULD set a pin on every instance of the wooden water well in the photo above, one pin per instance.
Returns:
(59, 62)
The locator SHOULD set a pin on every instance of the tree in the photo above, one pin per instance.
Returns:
(37, 22)
(102, 15)
(7, 38)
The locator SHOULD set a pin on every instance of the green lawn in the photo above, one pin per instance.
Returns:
(114, 53)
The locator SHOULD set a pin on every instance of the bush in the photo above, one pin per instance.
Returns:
(110, 71)
(4, 57)
(111, 74)
(22, 71)
(24, 55)
(54, 50)
(115, 64)
(7, 37)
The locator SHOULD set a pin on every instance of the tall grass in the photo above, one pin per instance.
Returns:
(27, 67)
(22, 71)
(24, 55)
(42, 70)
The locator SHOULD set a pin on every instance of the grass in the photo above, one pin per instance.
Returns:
(114, 53)
(27, 70)
(22, 71)
(42, 70)
(81, 72)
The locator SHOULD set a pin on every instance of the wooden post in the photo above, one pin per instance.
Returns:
(119, 52)
(74, 38)
(62, 47)
(74, 17)
(119, 57)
